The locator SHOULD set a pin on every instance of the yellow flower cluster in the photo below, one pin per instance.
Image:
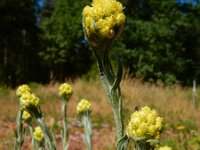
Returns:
(38, 134)
(105, 18)
(29, 100)
(84, 106)
(65, 90)
(22, 90)
(26, 116)
(145, 123)
(165, 148)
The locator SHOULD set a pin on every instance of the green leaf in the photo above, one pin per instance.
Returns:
(123, 143)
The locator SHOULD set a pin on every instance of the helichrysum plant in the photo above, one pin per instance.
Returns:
(39, 137)
(103, 22)
(29, 105)
(21, 90)
(27, 118)
(65, 92)
(84, 109)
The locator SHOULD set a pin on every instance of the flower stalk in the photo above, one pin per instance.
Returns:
(84, 109)
(65, 124)
(19, 132)
(87, 130)
(48, 136)
(65, 92)
(31, 132)
(39, 137)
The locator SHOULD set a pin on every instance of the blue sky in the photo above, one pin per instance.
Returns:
(193, 2)
(41, 3)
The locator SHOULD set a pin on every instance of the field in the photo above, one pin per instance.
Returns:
(174, 103)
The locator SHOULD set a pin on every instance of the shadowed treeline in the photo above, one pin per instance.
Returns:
(161, 41)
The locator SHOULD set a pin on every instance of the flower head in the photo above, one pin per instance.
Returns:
(22, 90)
(180, 127)
(103, 20)
(84, 106)
(65, 90)
(38, 134)
(26, 116)
(145, 124)
(29, 100)
(165, 148)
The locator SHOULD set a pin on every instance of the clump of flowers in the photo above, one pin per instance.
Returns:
(28, 101)
(84, 106)
(103, 20)
(165, 148)
(65, 90)
(38, 134)
(145, 124)
(23, 89)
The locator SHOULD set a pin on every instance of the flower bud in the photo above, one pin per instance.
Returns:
(65, 90)
(102, 21)
(23, 89)
(29, 100)
(26, 116)
(84, 106)
(38, 134)
(165, 148)
(145, 123)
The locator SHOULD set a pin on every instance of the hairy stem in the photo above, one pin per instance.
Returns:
(19, 140)
(65, 131)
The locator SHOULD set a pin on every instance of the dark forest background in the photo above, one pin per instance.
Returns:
(161, 41)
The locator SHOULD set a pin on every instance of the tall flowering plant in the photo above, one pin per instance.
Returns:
(21, 90)
(30, 108)
(102, 23)
(65, 92)
(84, 108)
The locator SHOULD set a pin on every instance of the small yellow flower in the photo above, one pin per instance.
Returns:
(38, 134)
(180, 127)
(22, 90)
(145, 123)
(27, 116)
(28, 100)
(165, 148)
(103, 20)
(65, 90)
(84, 106)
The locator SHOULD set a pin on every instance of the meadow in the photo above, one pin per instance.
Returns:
(173, 103)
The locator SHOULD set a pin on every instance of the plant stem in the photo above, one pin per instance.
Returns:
(88, 130)
(65, 131)
(117, 112)
(47, 134)
(32, 139)
(19, 140)
(111, 84)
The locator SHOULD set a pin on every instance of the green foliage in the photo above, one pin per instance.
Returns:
(65, 49)
(162, 41)
(18, 42)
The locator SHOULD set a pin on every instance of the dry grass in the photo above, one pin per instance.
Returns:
(173, 103)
